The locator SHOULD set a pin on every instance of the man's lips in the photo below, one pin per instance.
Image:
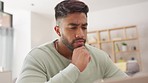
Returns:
(79, 42)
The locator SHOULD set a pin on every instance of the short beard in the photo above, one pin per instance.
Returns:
(69, 46)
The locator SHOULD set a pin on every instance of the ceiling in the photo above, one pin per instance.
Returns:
(46, 7)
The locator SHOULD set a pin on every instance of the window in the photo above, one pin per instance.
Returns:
(6, 41)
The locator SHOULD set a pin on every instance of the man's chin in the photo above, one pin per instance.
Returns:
(79, 46)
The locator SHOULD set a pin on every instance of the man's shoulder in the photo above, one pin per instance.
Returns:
(42, 47)
(41, 50)
(96, 51)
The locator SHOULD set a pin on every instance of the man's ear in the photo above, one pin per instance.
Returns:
(57, 29)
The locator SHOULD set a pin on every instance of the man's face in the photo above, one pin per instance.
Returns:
(73, 30)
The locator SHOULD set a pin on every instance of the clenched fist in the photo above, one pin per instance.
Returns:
(81, 58)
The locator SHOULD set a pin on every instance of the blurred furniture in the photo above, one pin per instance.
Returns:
(132, 67)
(122, 66)
(121, 43)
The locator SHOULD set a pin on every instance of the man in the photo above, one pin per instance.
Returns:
(68, 59)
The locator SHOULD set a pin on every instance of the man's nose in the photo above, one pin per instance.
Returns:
(79, 33)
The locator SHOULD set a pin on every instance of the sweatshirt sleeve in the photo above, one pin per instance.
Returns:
(33, 72)
(68, 75)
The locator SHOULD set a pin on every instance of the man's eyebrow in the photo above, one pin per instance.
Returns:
(85, 24)
(74, 24)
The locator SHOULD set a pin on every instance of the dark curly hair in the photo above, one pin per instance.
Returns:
(70, 6)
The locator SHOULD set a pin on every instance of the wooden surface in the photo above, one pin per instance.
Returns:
(5, 77)
(138, 79)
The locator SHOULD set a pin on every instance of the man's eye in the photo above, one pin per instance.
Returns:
(73, 28)
(84, 27)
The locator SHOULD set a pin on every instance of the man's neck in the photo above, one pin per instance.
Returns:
(63, 50)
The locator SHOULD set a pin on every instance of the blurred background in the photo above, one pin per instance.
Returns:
(118, 27)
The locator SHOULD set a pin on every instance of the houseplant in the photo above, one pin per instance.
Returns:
(124, 46)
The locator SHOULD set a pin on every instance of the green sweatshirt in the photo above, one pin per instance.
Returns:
(45, 65)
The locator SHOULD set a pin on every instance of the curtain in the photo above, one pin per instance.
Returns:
(6, 48)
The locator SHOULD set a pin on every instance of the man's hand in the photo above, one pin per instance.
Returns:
(81, 58)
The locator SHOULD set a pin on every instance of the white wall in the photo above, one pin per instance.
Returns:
(54, 34)
(22, 38)
(41, 29)
(30, 30)
(123, 16)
